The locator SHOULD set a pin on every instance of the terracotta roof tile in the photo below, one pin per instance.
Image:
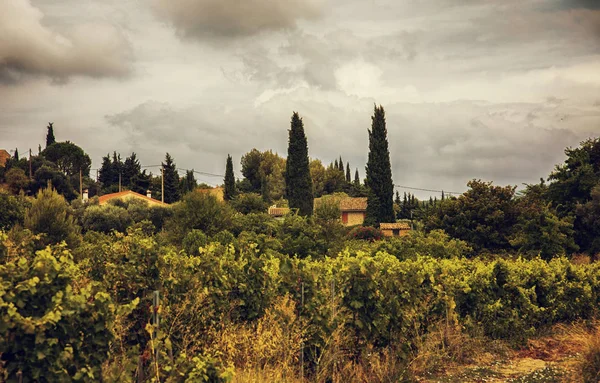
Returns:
(278, 211)
(353, 204)
(107, 197)
(395, 225)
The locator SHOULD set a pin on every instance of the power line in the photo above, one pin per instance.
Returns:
(428, 190)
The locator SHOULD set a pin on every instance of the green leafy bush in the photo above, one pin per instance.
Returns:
(106, 218)
(55, 326)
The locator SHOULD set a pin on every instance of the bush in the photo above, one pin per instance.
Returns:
(12, 210)
(55, 327)
(249, 203)
(106, 218)
(200, 211)
(366, 233)
(436, 244)
(50, 216)
(193, 241)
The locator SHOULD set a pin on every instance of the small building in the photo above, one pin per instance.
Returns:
(278, 212)
(127, 195)
(354, 210)
(217, 192)
(4, 156)
(396, 229)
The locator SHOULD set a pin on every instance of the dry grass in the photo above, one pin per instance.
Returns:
(583, 340)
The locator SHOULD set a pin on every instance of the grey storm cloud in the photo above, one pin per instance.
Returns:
(205, 19)
(29, 48)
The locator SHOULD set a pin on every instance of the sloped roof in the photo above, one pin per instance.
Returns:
(395, 225)
(278, 211)
(4, 156)
(218, 192)
(107, 197)
(353, 204)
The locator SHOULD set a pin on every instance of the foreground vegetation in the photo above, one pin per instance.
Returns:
(260, 301)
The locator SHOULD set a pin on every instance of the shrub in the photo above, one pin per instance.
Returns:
(249, 203)
(193, 241)
(54, 326)
(12, 210)
(50, 216)
(366, 233)
(106, 218)
(435, 244)
(200, 211)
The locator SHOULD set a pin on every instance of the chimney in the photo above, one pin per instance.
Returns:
(149, 193)
(85, 195)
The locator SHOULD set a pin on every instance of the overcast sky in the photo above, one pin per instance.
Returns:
(490, 89)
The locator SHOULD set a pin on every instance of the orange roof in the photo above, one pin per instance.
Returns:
(353, 204)
(4, 156)
(395, 225)
(278, 211)
(107, 197)
(218, 192)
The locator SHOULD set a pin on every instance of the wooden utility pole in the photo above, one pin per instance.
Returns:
(81, 183)
(162, 181)
(30, 172)
(119, 182)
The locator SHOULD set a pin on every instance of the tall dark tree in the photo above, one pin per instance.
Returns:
(171, 180)
(341, 164)
(188, 183)
(230, 191)
(50, 135)
(298, 183)
(380, 204)
(130, 169)
(356, 178)
(16, 157)
(348, 176)
(105, 174)
(251, 169)
(336, 165)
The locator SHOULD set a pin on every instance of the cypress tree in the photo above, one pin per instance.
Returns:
(397, 200)
(348, 176)
(229, 180)
(298, 183)
(356, 178)
(442, 195)
(16, 157)
(39, 149)
(380, 206)
(336, 165)
(171, 180)
(341, 165)
(50, 135)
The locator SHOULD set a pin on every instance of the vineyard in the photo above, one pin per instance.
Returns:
(236, 311)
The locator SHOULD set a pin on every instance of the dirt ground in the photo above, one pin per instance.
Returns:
(544, 360)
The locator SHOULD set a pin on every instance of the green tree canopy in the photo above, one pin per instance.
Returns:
(171, 180)
(50, 135)
(298, 183)
(51, 216)
(230, 191)
(69, 158)
(380, 204)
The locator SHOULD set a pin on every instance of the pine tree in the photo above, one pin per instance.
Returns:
(341, 165)
(298, 182)
(16, 157)
(105, 174)
(442, 195)
(380, 206)
(188, 183)
(229, 180)
(39, 149)
(50, 135)
(336, 165)
(397, 201)
(171, 180)
(430, 201)
(130, 169)
(356, 178)
(348, 176)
